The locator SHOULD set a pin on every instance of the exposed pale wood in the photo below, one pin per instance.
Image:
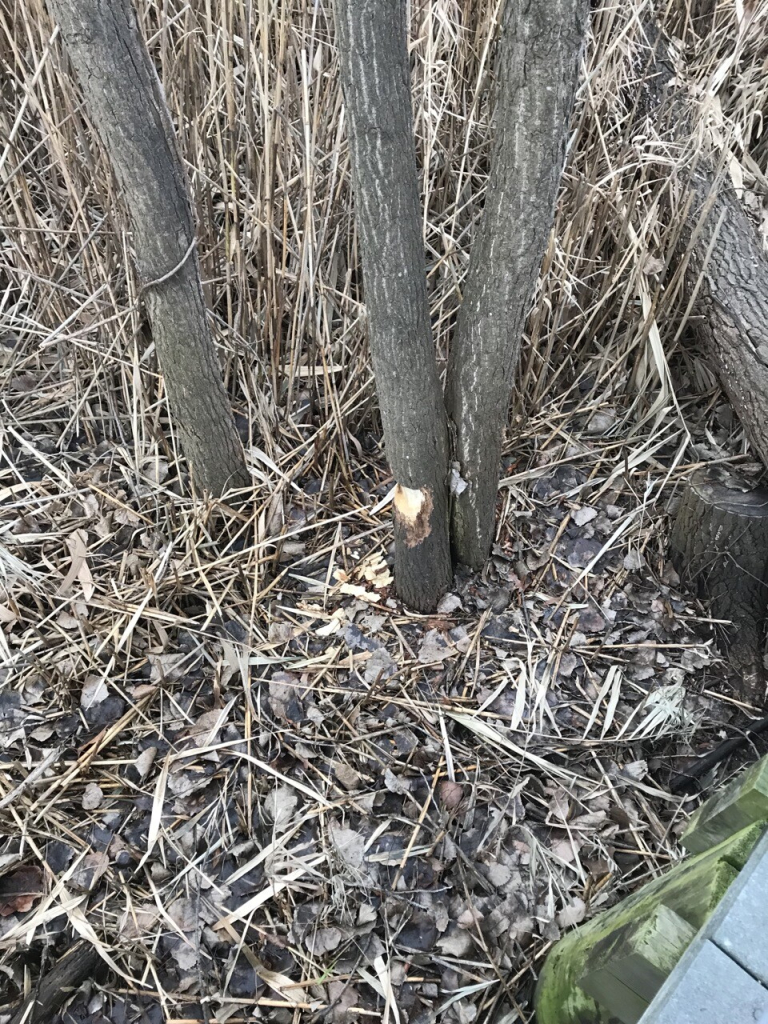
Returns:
(373, 56)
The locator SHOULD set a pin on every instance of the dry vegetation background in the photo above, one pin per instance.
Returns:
(227, 756)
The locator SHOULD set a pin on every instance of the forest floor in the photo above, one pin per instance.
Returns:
(265, 790)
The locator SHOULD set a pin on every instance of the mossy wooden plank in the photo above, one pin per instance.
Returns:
(743, 802)
(692, 889)
(626, 969)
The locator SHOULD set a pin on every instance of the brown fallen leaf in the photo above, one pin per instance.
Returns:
(19, 889)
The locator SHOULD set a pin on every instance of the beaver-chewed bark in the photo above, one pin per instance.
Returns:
(375, 75)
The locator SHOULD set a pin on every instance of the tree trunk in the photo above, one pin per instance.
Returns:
(127, 107)
(537, 69)
(727, 271)
(373, 56)
(720, 546)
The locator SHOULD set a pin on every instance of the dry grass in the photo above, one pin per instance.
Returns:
(225, 749)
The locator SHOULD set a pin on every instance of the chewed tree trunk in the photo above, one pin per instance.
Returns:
(373, 55)
(127, 108)
(537, 68)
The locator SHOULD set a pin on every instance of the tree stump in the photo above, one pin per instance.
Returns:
(720, 546)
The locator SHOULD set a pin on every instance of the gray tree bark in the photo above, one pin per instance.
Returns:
(128, 110)
(537, 67)
(720, 546)
(726, 276)
(373, 56)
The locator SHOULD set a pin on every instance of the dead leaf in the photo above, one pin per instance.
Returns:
(395, 784)
(144, 761)
(633, 560)
(279, 806)
(572, 914)
(183, 913)
(285, 697)
(77, 542)
(566, 850)
(456, 942)
(89, 870)
(93, 797)
(582, 516)
(168, 667)
(469, 918)
(450, 794)
(448, 604)
(94, 691)
(348, 777)
(185, 955)
(379, 666)
(281, 632)
(349, 845)
(435, 648)
(323, 940)
(20, 889)
(138, 922)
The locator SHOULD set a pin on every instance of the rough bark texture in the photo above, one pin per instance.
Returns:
(727, 270)
(537, 68)
(373, 55)
(57, 985)
(720, 546)
(126, 104)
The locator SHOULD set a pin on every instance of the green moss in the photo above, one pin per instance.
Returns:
(741, 803)
(691, 889)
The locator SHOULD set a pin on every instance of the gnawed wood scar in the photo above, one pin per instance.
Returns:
(413, 509)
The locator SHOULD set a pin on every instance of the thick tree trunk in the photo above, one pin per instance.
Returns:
(537, 69)
(720, 546)
(373, 56)
(727, 269)
(127, 107)
(728, 273)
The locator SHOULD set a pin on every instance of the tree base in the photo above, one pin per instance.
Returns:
(719, 544)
